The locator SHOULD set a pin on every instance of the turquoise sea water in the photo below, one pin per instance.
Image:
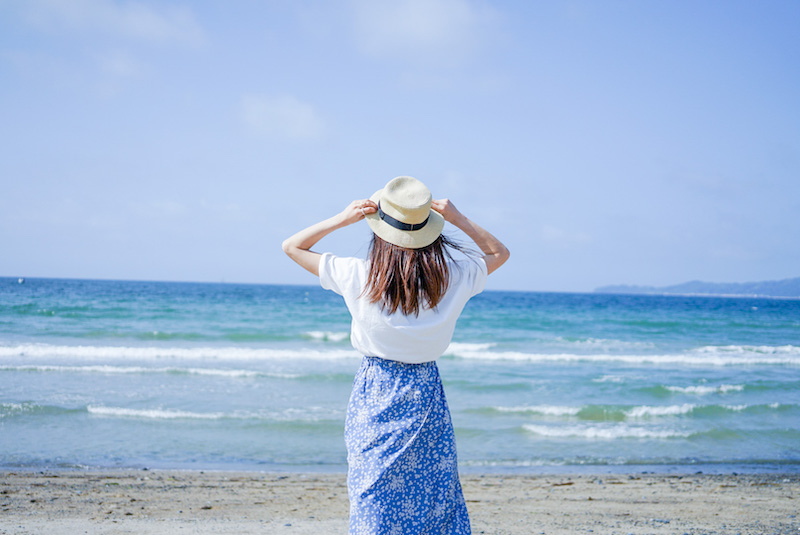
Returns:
(257, 377)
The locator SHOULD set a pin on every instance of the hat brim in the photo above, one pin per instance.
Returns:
(410, 239)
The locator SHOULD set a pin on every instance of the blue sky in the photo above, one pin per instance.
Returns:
(603, 142)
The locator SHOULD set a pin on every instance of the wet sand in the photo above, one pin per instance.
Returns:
(167, 502)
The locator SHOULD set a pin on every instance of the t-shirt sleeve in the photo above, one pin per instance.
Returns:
(478, 276)
(337, 273)
(327, 273)
(473, 276)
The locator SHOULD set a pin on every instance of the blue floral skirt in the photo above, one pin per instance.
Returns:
(401, 453)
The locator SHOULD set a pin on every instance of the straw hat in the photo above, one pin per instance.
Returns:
(404, 215)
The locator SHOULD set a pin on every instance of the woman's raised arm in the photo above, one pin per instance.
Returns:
(495, 253)
(298, 246)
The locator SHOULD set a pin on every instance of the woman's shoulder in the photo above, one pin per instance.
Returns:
(470, 273)
(342, 260)
(471, 265)
(339, 272)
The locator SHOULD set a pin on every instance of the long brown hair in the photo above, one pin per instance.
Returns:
(409, 279)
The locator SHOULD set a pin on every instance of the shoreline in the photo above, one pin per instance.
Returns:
(464, 468)
(194, 501)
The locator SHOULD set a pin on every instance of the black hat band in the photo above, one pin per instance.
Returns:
(399, 225)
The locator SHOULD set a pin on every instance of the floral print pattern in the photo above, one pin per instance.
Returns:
(401, 453)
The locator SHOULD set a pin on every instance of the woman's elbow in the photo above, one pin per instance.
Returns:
(288, 247)
(497, 259)
(503, 256)
(506, 254)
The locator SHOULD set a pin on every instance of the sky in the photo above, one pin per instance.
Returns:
(613, 142)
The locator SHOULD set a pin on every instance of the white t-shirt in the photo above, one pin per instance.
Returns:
(412, 339)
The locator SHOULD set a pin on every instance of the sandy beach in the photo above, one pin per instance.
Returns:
(162, 502)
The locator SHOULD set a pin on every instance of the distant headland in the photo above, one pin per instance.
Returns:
(780, 288)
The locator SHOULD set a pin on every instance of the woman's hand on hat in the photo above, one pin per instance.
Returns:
(357, 210)
(494, 252)
(448, 210)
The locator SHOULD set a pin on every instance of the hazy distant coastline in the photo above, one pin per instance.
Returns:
(781, 288)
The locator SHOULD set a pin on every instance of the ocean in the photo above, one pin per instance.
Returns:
(122, 374)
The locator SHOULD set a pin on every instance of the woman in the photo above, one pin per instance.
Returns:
(405, 300)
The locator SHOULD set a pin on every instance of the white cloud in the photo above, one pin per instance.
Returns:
(132, 20)
(419, 29)
(281, 117)
(120, 64)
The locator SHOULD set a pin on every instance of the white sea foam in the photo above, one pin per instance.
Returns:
(704, 390)
(647, 411)
(609, 379)
(547, 410)
(640, 412)
(512, 463)
(144, 370)
(602, 432)
(457, 348)
(156, 414)
(736, 408)
(749, 350)
(704, 357)
(110, 353)
(328, 336)
(9, 409)
(604, 344)
(308, 414)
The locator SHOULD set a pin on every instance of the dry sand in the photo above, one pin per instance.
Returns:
(167, 502)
